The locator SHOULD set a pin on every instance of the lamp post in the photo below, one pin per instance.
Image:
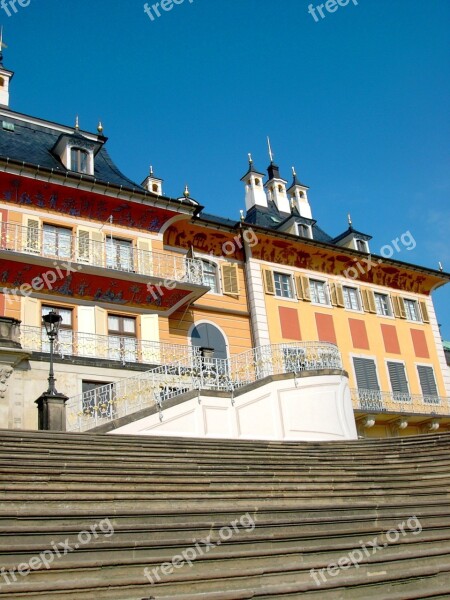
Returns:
(52, 322)
(52, 404)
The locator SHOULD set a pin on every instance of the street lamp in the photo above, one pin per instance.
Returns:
(52, 322)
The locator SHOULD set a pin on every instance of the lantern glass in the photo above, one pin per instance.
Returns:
(52, 321)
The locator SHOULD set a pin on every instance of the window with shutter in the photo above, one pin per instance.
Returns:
(367, 382)
(399, 382)
(351, 298)
(411, 309)
(306, 289)
(424, 311)
(399, 307)
(428, 384)
(382, 305)
(283, 285)
(33, 236)
(269, 285)
(83, 246)
(230, 280)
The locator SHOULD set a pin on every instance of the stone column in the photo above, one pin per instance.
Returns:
(11, 354)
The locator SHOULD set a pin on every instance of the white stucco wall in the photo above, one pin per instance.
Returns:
(313, 408)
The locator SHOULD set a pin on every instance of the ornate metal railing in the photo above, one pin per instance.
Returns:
(82, 249)
(155, 387)
(107, 347)
(377, 401)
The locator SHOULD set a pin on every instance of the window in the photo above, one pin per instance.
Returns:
(283, 285)
(412, 310)
(383, 305)
(351, 298)
(79, 160)
(210, 276)
(207, 335)
(122, 342)
(98, 399)
(303, 230)
(119, 254)
(369, 394)
(319, 292)
(64, 341)
(57, 241)
(399, 382)
(361, 245)
(428, 384)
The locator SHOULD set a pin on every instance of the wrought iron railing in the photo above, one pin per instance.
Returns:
(107, 254)
(107, 347)
(155, 387)
(378, 401)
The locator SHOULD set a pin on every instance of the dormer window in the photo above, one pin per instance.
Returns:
(79, 160)
(361, 245)
(304, 230)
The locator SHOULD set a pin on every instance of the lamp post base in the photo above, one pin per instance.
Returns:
(52, 412)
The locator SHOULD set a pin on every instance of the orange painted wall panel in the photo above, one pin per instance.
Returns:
(290, 326)
(325, 328)
(2, 305)
(420, 343)
(359, 334)
(390, 338)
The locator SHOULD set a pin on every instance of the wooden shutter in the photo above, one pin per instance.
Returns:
(33, 241)
(424, 311)
(144, 256)
(366, 373)
(398, 378)
(306, 289)
(427, 381)
(368, 300)
(399, 307)
(230, 280)
(269, 284)
(339, 295)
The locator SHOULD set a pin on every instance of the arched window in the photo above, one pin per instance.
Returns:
(206, 335)
(79, 160)
(211, 275)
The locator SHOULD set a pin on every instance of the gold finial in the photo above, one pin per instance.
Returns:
(441, 268)
(77, 123)
(186, 192)
(151, 170)
(100, 128)
(349, 217)
(242, 215)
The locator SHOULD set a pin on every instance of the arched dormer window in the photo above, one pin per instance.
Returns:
(79, 160)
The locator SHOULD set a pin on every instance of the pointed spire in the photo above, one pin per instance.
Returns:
(350, 222)
(151, 170)
(441, 267)
(271, 155)
(2, 45)
(77, 123)
(242, 215)
(295, 181)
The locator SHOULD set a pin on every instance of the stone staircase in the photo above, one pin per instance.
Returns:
(109, 514)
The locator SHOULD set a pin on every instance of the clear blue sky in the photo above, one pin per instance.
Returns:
(358, 101)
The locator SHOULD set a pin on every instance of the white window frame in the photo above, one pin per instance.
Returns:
(90, 159)
(389, 302)
(417, 310)
(308, 227)
(366, 245)
(358, 297)
(218, 274)
(291, 285)
(326, 289)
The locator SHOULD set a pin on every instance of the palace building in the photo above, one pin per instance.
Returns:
(174, 321)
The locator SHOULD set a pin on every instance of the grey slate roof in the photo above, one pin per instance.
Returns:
(32, 143)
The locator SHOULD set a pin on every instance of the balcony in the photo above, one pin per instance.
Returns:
(114, 255)
(375, 401)
(156, 387)
(122, 349)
